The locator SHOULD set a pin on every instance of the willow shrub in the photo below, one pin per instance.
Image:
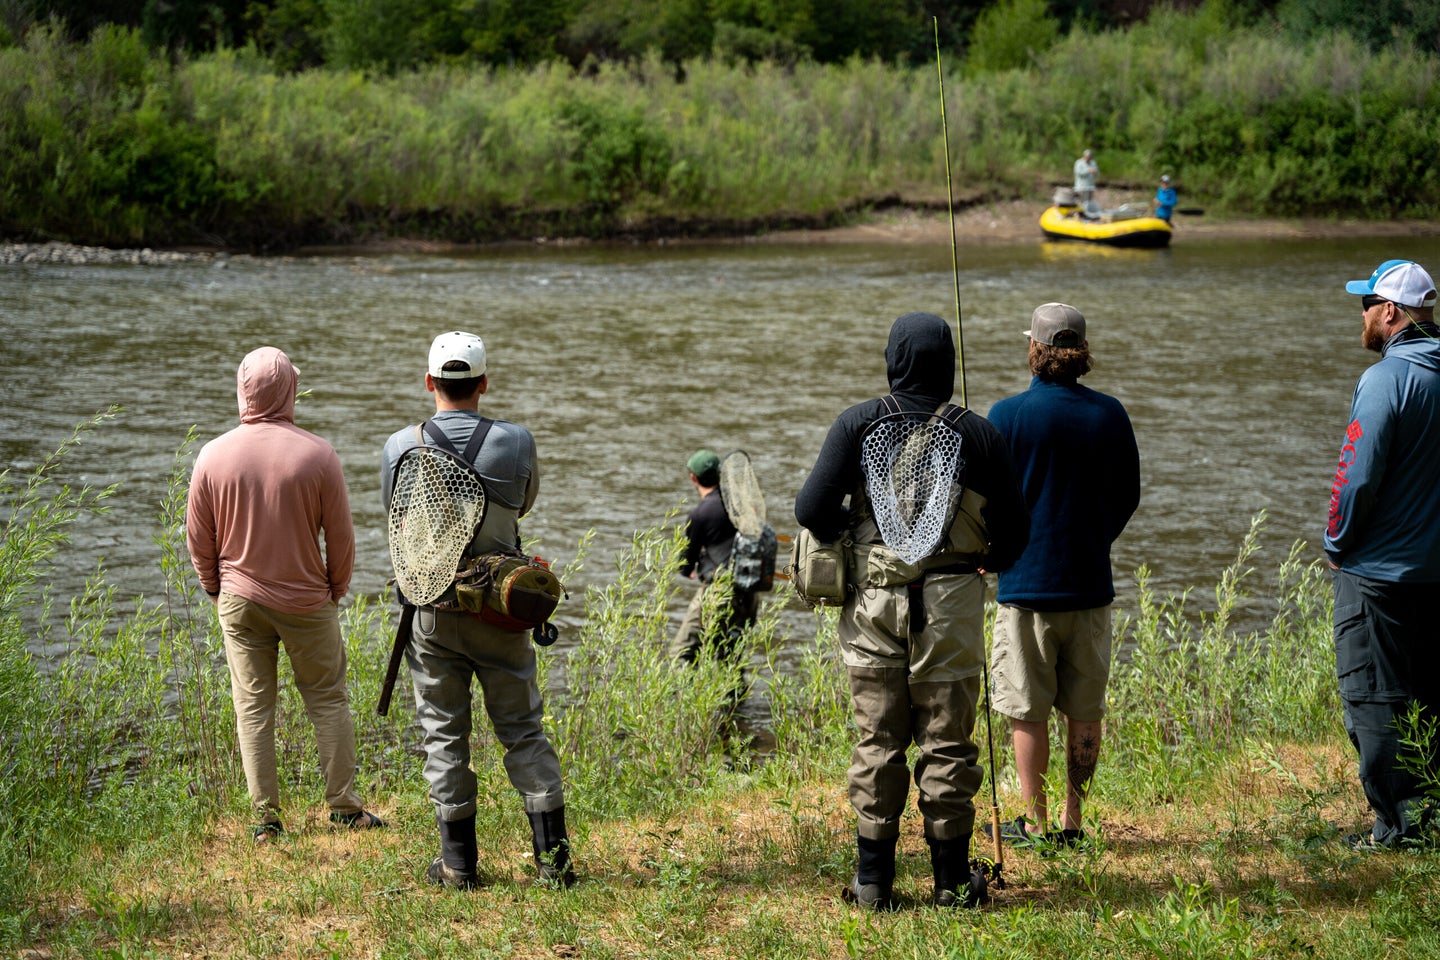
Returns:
(1189, 688)
(103, 141)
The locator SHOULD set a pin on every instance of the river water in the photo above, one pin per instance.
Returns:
(1235, 359)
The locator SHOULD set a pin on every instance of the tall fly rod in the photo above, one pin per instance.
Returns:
(960, 360)
(950, 202)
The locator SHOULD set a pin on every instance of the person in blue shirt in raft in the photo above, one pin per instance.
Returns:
(1165, 199)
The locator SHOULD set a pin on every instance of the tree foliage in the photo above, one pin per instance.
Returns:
(1012, 34)
(385, 36)
(1376, 22)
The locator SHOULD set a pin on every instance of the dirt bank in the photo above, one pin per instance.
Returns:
(1017, 221)
(997, 222)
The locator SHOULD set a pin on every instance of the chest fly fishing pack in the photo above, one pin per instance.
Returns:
(437, 506)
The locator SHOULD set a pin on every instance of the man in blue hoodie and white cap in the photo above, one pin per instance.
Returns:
(1383, 541)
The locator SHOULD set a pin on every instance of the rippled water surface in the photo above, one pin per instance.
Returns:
(1236, 361)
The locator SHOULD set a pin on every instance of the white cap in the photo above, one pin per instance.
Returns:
(463, 347)
(1402, 281)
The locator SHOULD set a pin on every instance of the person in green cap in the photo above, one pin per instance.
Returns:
(710, 537)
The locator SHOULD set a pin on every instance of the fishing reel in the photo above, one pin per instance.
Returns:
(984, 874)
(544, 634)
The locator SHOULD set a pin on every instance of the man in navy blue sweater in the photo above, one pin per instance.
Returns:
(1080, 471)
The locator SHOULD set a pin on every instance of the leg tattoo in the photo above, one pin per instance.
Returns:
(1080, 764)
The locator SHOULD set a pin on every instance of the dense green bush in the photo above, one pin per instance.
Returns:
(102, 142)
(1010, 34)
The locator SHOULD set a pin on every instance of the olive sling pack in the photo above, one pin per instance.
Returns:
(508, 589)
(821, 572)
(818, 569)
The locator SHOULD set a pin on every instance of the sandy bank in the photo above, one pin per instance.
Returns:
(1018, 221)
(1000, 222)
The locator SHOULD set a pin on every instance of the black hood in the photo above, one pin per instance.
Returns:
(920, 359)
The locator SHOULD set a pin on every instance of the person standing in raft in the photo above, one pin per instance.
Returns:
(1086, 170)
(1165, 199)
(260, 498)
(1383, 544)
(912, 634)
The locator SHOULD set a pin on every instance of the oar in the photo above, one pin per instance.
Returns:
(1191, 211)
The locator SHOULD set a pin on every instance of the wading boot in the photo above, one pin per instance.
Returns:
(455, 867)
(956, 883)
(552, 848)
(874, 877)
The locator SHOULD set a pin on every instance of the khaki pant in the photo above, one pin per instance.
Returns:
(690, 638)
(919, 688)
(253, 636)
(1056, 659)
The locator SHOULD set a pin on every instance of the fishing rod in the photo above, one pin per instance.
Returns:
(950, 203)
(999, 864)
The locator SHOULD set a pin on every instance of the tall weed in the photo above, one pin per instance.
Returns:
(636, 729)
(1192, 688)
(40, 780)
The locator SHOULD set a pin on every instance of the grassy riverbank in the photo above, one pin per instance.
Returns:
(104, 142)
(1224, 782)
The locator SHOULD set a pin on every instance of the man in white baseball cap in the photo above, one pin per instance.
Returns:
(450, 651)
(1383, 543)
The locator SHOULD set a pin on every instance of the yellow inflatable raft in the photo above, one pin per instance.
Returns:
(1116, 228)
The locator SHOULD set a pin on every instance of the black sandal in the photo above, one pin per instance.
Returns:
(267, 831)
(359, 820)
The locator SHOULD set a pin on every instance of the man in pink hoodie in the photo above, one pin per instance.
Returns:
(259, 499)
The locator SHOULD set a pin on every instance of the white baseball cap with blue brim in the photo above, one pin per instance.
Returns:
(1401, 281)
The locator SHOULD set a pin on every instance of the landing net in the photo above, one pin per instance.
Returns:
(740, 491)
(910, 462)
(437, 504)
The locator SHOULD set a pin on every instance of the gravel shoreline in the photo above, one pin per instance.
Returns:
(1002, 222)
(73, 255)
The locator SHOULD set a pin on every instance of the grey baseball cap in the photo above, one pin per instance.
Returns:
(1057, 325)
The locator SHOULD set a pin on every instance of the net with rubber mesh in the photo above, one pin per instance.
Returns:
(437, 504)
(911, 462)
(740, 492)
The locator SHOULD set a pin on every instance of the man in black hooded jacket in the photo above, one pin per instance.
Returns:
(914, 651)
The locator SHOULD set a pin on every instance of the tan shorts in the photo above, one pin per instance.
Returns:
(1043, 660)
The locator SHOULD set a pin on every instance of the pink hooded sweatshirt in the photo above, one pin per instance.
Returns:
(262, 493)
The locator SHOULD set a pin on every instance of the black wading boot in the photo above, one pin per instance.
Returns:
(874, 874)
(956, 884)
(455, 867)
(552, 848)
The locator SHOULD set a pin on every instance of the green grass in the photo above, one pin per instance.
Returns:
(1224, 782)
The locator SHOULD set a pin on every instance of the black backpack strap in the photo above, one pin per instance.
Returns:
(472, 449)
(952, 413)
